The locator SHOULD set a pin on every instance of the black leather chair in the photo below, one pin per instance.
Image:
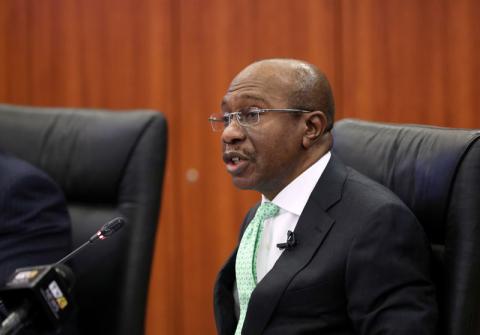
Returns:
(436, 172)
(108, 164)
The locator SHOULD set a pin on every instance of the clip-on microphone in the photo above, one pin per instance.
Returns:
(291, 242)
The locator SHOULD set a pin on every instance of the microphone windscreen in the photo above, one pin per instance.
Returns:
(112, 226)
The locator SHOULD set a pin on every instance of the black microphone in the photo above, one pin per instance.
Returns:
(291, 242)
(103, 233)
(42, 294)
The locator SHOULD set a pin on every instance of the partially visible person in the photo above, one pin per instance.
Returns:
(326, 250)
(34, 221)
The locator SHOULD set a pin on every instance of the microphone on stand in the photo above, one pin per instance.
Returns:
(103, 233)
(43, 294)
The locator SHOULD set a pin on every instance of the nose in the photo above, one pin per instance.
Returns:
(233, 133)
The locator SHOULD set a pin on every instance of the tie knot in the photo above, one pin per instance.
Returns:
(267, 210)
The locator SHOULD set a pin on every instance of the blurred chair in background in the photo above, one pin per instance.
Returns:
(436, 172)
(107, 164)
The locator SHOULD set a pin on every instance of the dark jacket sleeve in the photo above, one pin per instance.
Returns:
(34, 222)
(388, 282)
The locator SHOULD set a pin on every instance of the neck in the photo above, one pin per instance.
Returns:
(304, 164)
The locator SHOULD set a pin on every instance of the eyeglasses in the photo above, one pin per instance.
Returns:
(246, 118)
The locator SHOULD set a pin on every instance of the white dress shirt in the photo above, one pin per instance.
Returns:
(291, 200)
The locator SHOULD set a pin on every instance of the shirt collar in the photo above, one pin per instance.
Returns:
(294, 196)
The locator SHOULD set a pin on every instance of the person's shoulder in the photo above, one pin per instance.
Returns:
(370, 206)
(16, 173)
(12, 167)
(355, 184)
(370, 192)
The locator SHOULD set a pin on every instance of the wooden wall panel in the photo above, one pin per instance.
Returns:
(388, 60)
(462, 63)
(411, 61)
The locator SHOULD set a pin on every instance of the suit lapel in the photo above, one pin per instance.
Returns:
(224, 304)
(312, 227)
(224, 307)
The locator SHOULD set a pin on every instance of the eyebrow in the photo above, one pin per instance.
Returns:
(248, 97)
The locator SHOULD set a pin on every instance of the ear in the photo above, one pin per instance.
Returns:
(315, 127)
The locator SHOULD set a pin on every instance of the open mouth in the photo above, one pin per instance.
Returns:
(235, 160)
(236, 163)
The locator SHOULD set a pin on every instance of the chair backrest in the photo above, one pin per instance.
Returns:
(436, 172)
(108, 164)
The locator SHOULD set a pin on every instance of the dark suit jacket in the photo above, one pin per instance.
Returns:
(34, 222)
(361, 266)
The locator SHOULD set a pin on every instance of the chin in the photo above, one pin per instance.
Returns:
(243, 184)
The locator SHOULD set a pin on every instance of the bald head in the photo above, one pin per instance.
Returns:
(301, 83)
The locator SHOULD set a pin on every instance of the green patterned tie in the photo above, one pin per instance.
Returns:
(246, 261)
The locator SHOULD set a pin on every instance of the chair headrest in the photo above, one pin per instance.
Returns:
(66, 143)
(418, 163)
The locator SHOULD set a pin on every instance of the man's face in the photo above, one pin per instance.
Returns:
(264, 157)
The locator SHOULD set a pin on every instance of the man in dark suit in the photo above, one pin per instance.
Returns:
(357, 261)
(34, 222)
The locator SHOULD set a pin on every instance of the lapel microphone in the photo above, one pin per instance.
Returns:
(291, 242)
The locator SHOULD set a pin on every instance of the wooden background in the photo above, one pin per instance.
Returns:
(388, 60)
